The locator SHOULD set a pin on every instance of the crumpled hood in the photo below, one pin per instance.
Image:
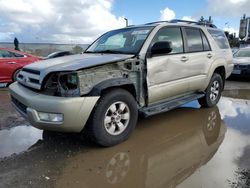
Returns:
(76, 62)
(33, 74)
(242, 60)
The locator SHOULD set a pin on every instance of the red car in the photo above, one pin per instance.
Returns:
(11, 61)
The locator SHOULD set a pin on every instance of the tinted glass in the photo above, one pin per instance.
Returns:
(173, 35)
(206, 46)
(17, 55)
(194, 40)
(219, 38)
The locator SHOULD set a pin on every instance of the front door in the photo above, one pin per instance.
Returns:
(167, 73)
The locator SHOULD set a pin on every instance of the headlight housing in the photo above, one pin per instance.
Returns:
(64, 84)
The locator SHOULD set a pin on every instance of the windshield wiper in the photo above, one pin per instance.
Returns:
(110, 51)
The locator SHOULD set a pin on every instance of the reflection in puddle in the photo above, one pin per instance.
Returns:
(163, 151)
(18, 139)
(236, 113)
(221, 170)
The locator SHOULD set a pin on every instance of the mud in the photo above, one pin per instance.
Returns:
(186, 147)
(8, 116)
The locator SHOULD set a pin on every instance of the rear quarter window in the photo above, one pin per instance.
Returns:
(220, 38)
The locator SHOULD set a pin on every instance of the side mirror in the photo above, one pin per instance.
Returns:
(163, 47)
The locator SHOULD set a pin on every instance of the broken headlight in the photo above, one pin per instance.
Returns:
(68, 83)
(63, 84)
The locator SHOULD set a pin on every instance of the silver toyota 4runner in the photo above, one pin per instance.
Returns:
(145, 69)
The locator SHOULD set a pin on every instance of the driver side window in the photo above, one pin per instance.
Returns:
(173, 35)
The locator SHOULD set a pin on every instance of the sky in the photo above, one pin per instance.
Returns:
(82, 21)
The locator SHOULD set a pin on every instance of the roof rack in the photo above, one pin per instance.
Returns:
(158, 22)
(204, 23)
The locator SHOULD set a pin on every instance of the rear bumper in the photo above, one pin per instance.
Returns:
(75, 110)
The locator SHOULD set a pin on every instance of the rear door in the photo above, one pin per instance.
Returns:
(167, 73)
(199, 55)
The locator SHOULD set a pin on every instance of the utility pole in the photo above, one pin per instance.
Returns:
(126, 21)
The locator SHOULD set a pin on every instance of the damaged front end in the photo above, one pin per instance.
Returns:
(85, 82)
(62, 84)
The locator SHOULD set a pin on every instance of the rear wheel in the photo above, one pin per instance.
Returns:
(113, 119)
(213, 92)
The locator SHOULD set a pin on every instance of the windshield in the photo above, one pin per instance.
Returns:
(124, 41)
(242, 53)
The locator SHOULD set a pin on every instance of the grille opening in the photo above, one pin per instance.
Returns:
(34, 80)
(20, 76)
(31, 71)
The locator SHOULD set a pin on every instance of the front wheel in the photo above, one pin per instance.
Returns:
(213, 92)
(15, 75)
(113, 119)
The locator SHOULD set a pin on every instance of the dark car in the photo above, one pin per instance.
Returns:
(58, 54)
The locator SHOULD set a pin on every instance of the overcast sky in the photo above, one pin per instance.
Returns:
(81, 21)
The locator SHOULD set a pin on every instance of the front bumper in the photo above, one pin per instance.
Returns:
(240, 69)
(76, 110)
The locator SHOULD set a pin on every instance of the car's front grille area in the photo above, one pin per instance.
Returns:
(35, 81)
(19, 105)
(29, 78)
(243, 66)
(31, 71)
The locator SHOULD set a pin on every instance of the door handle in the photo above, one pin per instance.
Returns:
(209, 55)
(184, 58)
(12, 62)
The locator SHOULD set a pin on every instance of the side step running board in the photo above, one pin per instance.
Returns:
(166, 106)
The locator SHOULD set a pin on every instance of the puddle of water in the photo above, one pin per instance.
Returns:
(18, 139)
(233, 154)
(185, 147)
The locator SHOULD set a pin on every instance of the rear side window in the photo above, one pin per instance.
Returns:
(219, 38)
(194, 40)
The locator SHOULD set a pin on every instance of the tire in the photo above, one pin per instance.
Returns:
(119, 109)
(14, 77)
(213, 92)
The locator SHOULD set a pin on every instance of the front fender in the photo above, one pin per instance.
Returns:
(116, 82)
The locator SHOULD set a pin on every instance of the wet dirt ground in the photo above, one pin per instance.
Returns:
(185, 147)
